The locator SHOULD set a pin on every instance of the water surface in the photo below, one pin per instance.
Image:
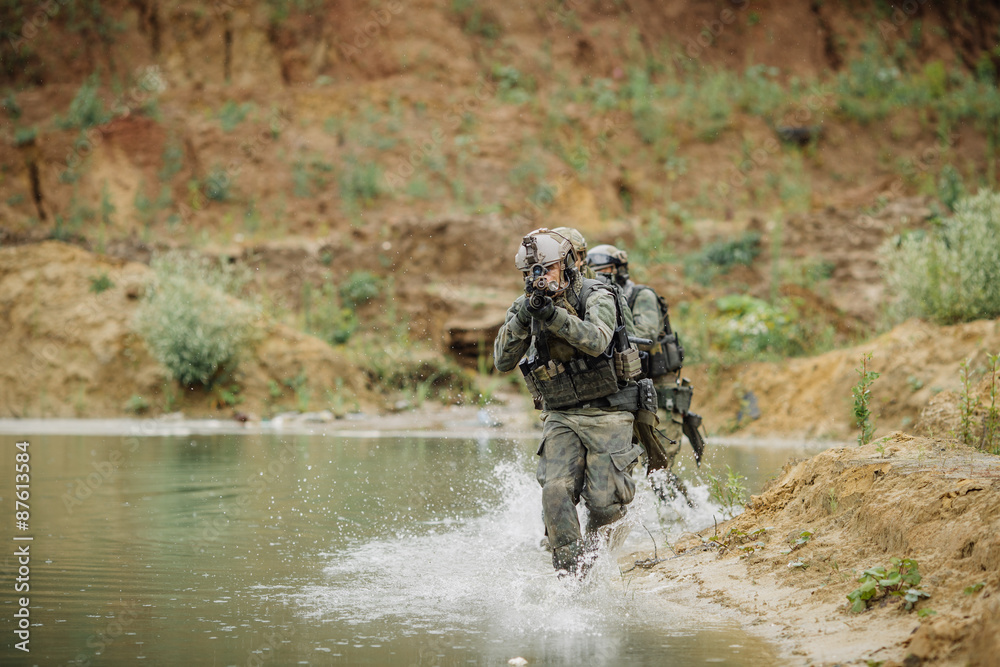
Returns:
(306, 549)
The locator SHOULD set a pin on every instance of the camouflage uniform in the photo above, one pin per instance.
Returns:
(648, 324)
(585, 451)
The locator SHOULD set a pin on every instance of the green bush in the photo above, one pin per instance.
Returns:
(87, 108)
(191, 320)
(950, 273)
(747, 327)
(475, 20)
(718, 258)
(232, 114)
(100, 283)
(325, 317)
(361, 287)
(360, 183)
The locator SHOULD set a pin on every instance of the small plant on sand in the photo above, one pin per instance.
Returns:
(901, 578)
(136, 404)
(968, 402)
(100, 283)
(731, 493)
(991, 422)
(862, 401)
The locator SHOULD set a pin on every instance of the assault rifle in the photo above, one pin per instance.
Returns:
(537, 287)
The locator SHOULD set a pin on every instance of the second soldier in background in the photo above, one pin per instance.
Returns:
(664, 360)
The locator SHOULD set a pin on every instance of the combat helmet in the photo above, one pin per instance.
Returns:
(546, 247)
(575, 238)
(606, 255)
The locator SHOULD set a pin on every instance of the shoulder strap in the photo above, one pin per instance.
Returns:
(634, 293)
(589, 285)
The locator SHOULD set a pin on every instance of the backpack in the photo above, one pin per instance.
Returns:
(670, 359)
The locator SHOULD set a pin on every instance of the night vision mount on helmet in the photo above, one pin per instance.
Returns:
(539, 250)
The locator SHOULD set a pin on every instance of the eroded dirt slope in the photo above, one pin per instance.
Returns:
(811, 397)
(921, 498)
(71, 352)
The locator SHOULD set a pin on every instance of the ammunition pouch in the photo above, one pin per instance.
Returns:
(567, 384)
(676, 397)
(673, 353)
(656, 362)
(628, 364)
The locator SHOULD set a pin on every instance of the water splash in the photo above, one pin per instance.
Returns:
(490, 571)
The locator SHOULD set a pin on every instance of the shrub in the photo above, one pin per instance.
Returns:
(718, 258)
(232, 114)
(87, 108)
(100, 283)
(360, 183)
(949, 274)
(901, 578)
(217, 185)
(325, 317)
(190, 319)
(361, 287)
(475, 20)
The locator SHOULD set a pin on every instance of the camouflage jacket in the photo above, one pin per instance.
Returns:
(646, 313)
(567, 335)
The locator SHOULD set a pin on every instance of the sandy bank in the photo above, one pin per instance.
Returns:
(920, 498)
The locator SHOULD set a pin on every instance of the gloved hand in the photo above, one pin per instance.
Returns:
(523, 316)
(543, 313)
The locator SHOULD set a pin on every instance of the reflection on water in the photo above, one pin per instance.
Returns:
(255, 549)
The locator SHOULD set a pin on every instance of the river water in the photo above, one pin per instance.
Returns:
(234, 549)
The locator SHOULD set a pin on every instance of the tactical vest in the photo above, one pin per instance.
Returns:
(667, 354)
(583, 380)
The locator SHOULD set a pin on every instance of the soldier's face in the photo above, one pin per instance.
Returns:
(555, 273)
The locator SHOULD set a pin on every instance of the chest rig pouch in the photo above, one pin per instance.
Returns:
(562, 384)
(556, 384)
(667, 354)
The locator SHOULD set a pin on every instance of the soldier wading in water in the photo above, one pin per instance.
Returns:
(567, 335)
(661, 363)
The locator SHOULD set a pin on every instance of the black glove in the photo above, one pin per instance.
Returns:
(523, 317)
(543, 313)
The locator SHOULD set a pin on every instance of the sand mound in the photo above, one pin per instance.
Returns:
(919, 499)
(811, 397)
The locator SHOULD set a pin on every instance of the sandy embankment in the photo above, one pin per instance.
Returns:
(922, 499)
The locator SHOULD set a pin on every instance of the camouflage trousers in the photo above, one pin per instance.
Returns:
(671, 421)
(588, 454)
(672, 424)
